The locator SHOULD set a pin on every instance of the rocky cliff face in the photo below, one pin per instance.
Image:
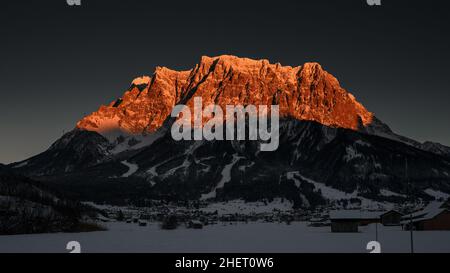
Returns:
(305, 92)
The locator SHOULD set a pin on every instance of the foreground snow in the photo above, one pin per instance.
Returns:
(252, 237)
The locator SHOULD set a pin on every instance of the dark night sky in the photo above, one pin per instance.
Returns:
(58, 63)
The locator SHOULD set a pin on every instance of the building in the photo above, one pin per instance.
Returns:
(446, 204)
(435, 216)
(391, 218)
(344, 225)
(195, 224)
(350, 220)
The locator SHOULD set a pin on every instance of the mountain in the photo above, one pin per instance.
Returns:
(75, 150)
(330, 145)
(305, 92)
(436, 148)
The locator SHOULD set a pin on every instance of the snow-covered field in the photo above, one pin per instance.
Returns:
(252, 237)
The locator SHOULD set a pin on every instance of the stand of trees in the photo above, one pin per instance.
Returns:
(27, 206)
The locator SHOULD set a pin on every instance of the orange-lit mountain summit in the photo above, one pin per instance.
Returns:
(306, 92)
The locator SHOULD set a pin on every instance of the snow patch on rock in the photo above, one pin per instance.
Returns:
(226, 177)
(20, 165)
(351, 154)
(389, 193)
(132, 168)
(437, 194)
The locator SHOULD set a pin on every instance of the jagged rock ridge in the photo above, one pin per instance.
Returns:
(305, 92)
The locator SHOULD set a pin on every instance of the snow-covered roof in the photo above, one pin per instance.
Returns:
(392, 210)
(354, 214)
(430, 211)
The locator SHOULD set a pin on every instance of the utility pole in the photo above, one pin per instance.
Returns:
(376, 232)
(411, 227)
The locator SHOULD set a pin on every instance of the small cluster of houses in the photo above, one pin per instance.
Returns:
(435, 216)
(196, 217)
